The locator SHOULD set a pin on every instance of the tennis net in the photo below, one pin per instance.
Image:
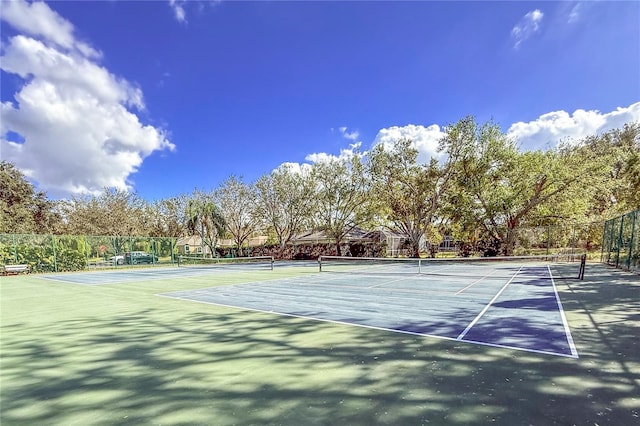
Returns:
(255, 262)
(465, 267)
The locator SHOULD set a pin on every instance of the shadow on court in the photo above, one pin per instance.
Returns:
(186, 363)
(516, 312)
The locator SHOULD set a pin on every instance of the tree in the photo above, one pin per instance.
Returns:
(205, 219)
(342, 196)
(237, 202)
(501, 188)
(114, 212)
(412, 194)
(168, 217)
(615, 162)
(284, 199)
(23, 210)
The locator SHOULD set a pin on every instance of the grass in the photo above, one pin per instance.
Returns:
(119, 354)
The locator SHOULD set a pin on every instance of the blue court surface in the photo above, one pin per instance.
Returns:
(512, 307)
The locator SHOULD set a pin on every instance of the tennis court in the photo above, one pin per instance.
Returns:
(514, 305)
(292, 345)
(197, 267)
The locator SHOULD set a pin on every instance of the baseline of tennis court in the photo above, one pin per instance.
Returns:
(515, 307)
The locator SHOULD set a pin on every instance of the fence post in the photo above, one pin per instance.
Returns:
(86, 249)
(55, 255)
(620, 230)
(15, 249)
(633, 229)
(548, 238)
(604, 240)
(611, 240)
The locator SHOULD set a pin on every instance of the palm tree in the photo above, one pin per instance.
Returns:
(205, 219)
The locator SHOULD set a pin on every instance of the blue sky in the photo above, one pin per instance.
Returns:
(161, 97)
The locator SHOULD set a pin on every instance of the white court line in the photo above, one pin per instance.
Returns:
(567, 331)
(373, 327)
(390, 282)
(327, 284)
(486, 308)
(476, 282)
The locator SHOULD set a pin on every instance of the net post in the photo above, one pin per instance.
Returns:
(272, 262)
(419, 266)
(319, 263)
(583, 264)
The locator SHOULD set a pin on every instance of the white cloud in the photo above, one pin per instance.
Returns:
(296, 168)
(79, 134)
(351, 135)
(574, 14)
(323, 157)
(345, 153)
(551, 128)
(543, 133)
(526, 27)
(38, 20)
(425, 139)
(178, 10)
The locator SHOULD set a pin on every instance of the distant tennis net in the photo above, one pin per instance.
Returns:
(464, 267)
(255, 262)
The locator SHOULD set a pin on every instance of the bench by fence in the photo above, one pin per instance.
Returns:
(15, 269)
(100, 264)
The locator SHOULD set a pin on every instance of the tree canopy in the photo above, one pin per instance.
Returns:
(342, 198)
(22, 208)
(284, 199)
(205, 219)
(479, 189)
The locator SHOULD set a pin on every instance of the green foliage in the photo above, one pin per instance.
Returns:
(113, 212)
(480, 190)
(237, 201)
(48, 253)
(342, 201)
(615, 166)
(45, 253)
(501, 188)
(205, 219)
(168, 217)
(412, 196)
(22, 208)
(7, 254)
(284, 200)
(39, 258)
(68, 260)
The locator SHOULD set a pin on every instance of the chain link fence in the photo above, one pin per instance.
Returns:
(570, 240)
(63, 253)
(621, 242)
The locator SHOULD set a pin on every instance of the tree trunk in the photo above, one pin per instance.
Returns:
(510, 239)
(414, 249)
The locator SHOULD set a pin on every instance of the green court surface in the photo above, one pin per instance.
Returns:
(118, 353)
